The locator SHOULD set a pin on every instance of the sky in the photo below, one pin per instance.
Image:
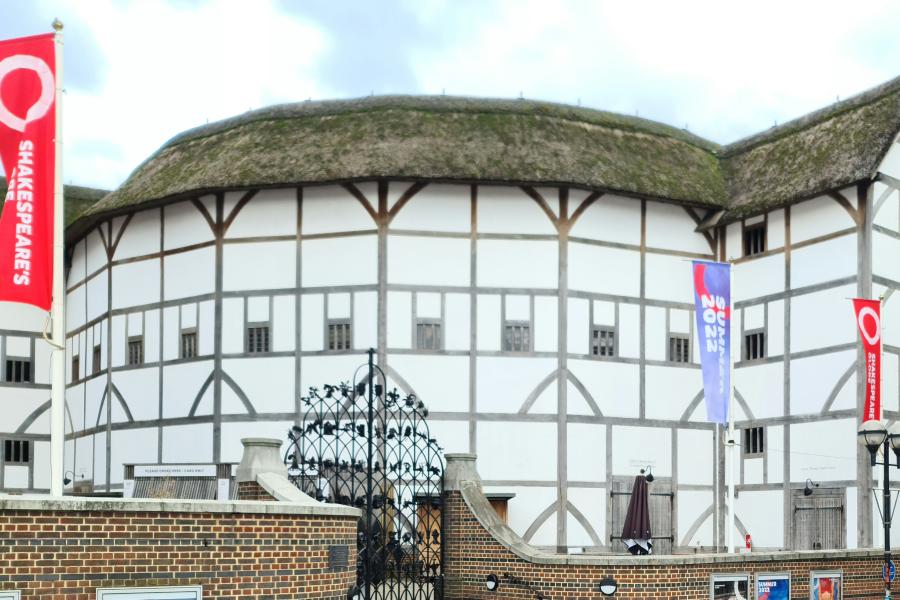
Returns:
(138, 72)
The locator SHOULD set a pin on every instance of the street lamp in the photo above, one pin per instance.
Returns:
(874, 434)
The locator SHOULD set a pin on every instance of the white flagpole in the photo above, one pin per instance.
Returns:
(58, 381)
(730, 439)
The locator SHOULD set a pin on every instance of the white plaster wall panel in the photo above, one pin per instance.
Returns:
(456, 327)
(691, 505)
(576, 402)
(639, 447)
(441, 382)
(758, 277)
(312, 315)
(317, 371)
(775, 331)
(18, 346)
(328, 209)
(851, 507)
(753, 471)
(489, 326)
(680, 320)
(604, 270)
(669, 391)
(185, 226)
(83, 457)
(257, 309)
(395, 190)
(399, 319)
(232, 433)
(118, 341)
(669, 278)
(135, 323)
(190, 273)
(824, 450)
(734, 245)
(205, 327)
(22, 317)
(131, 446)
(437, 207)
(94, 403)
(629, 338)
(140, 237)
(26, 401)
(885, 251)
(586, 452)
(15, 477)
(151, 336)
(283, 323)
(546, 323)
(452, 436)
(231, 402)
(74, 408)
(41, 451)
(753, 317)
(610, 218)
(518, 264)
(428, 305)
(824, 261)
(670, 227)
(890, 393)
(233, 325)
(592, 504)
(547, 402)
(96, 296)
(579, 326)
(140, 391)
(695, 457)
(76, 306)
(41, 425)
(365, 321)
(269, 212)
(604, 313)
(655, 334)
(268, 383)
(356, 255)
(760, 512)
(257, 266)
(209, 202)
(775, 230)
(78, 264)
(890, 164)
(515, 450)
(614, 386)
(42, 358)
(551, 195)
(762, 387)
(96, 251)
(99, 466)
(819, 216)
(428, 261)
(510, 210)
(888, 207)
(188, 315)
(774, 440)
(810, 313)
(339, 306)
(504, 383)
(528, 503)
(181, 384)
(188, 443)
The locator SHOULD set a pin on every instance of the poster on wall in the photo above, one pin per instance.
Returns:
(734, 586)
(825, 585)
(773, 586)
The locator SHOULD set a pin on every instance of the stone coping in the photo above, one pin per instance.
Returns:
(480, 507)
(84, 504)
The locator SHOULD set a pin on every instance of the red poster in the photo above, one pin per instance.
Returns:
(868, 320)
(27, 138)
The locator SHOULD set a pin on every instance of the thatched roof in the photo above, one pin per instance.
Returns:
(77, 199)
(440, 138)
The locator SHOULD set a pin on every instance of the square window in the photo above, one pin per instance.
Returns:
(754, 442)
(16, 452)
(339, 335)
(429, 335)
(603, 341)
(136, 350)
(679, 349)
(517, 336)
(76, 367)
(258, 338)
(754, 345)
(95, 365)
(18, 370)
(755, 239)
(188, 344)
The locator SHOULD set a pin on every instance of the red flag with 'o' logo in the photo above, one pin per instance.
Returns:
(868, 320)
(27, 137)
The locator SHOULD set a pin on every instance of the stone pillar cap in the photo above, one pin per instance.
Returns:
(460, 467)
(261, 455)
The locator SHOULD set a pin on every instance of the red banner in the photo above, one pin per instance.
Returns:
(27, 152)
(868, 320)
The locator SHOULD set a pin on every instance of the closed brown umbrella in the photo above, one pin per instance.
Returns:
(636, 532)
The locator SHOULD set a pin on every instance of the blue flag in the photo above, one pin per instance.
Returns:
(712, 301)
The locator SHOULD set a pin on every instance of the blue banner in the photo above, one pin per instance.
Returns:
(773, 588)
(712, 300)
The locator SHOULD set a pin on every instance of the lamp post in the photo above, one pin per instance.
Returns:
(874, 435)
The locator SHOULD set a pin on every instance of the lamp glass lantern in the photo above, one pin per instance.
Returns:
(872, 435)
(492, 583)
(894, 438)
(608, 586)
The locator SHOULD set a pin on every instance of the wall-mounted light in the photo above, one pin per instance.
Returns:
(608, 586)
(649, 476)
(354, 593)
(492, 583)
(808, 490)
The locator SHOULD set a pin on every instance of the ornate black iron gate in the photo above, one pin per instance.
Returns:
(363, 446)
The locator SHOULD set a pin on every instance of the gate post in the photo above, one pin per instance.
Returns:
(460, 467)
(261, 455)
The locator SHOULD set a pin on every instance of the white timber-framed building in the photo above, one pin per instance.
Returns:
(523, 267)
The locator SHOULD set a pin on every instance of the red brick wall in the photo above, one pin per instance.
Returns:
(68, 554)
(471, 553)
(250, 490)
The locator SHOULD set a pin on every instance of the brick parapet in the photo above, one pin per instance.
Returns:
(251, 490)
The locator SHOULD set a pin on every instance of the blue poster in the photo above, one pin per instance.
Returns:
(774, 587)
(712, 301)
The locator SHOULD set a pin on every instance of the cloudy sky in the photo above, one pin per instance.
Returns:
(138, 72)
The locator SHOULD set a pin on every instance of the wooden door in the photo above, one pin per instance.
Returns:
(819, 520)
(661, 513)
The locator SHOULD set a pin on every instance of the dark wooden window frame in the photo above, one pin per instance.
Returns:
(437, 334)
(510, 344)
(258, 338)
(597, 332)
(760, 346)
(339, 335)
(753, 442)
(754, 238)
(189, 343)
(135, 350)
(96, 359)
(673, 349)
(18, 369)
(17, 452)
